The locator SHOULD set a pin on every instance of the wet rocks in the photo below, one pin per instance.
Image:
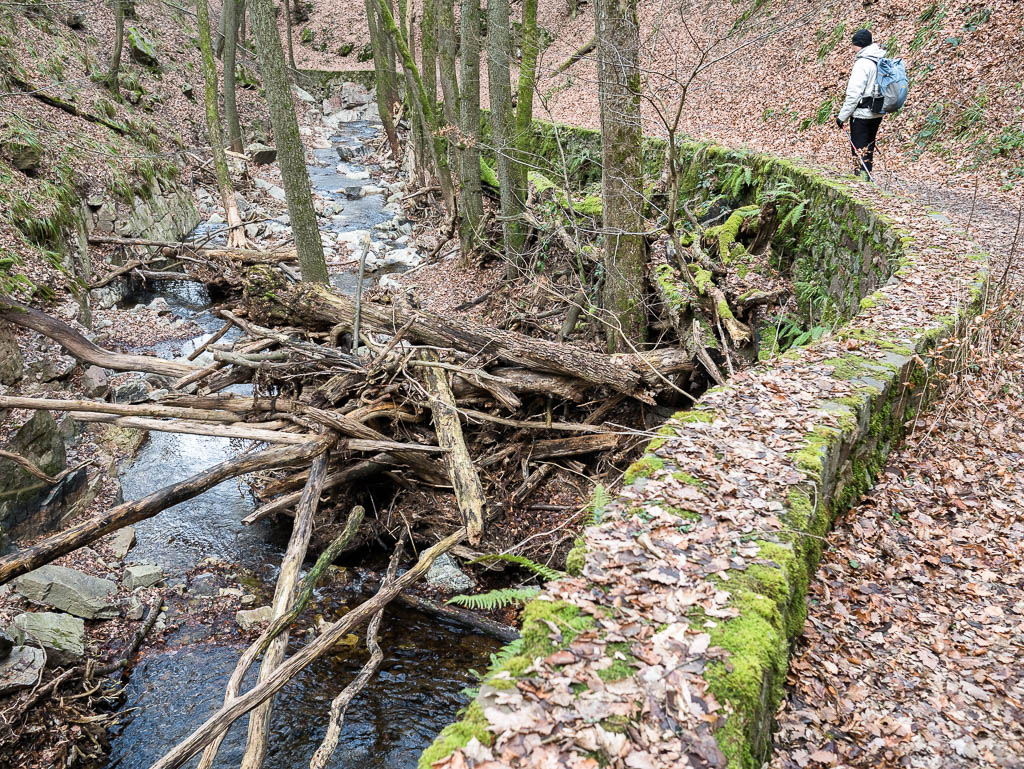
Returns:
(250, 618)
(142, 575)
(446, 574)
(61, 635)
(20, 669)
(21, 493)
(261, 153)
(95, 382)
(69, 590)
(52, 369)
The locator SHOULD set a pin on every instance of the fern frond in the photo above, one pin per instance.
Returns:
(521, 560)
(506, 653)
(599, 504)
(495, 599)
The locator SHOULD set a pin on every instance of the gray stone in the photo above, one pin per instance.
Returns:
(248, 599)
(95, 381)
(135, 609)
(61, 635)
(303, 95)
(11, 362)
(261, 154)
(445, 574)
(132, 391)
(52, 369)
(354, 95)
(122, 541)
(24, 155)
(20, 669)
(203, 584)
(277, 193)
(140, 47)
(143, 575)
(249, 618)
(21, 493)
(68, 590)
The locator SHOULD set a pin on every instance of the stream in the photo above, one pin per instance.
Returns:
(171, 691)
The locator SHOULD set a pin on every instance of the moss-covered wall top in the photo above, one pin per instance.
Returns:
(669, 645)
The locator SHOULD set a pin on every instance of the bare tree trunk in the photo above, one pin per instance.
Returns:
(290, 152)
(288, 30)
(284, 594)
(113, 76)
(383, 78)
(502, 127)
(218, 47)
(618, 46)
(422, 104)
(428, 53)
(524, 103)
(236, 232)
(242, 14)
(449, 79)
(470, 189)
(231, 21)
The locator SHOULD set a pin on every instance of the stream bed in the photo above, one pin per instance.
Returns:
(171, 691)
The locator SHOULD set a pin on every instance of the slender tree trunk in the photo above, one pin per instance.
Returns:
(449, 79)
(422, 103)
(382, 78)
(113, 77)
(230, 15)
(242, 14)
(428, 52)
(420, 133)
(618, 46)
(470, 189)
(500, 90)
(290, 153)
(221, 31)
(524, 104)
(288, 31)
(236, 232)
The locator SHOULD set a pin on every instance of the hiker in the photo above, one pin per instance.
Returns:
(858, 105)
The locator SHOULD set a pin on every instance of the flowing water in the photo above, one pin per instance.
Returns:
(419, 685)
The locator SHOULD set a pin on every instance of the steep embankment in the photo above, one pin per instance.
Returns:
(779, 92)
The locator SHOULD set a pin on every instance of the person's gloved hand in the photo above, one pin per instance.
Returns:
(839, 122)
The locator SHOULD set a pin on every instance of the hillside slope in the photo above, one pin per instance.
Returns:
(778, 93)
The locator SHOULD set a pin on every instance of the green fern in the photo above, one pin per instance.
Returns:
(521, 560)
(495, 599)
(598, 505)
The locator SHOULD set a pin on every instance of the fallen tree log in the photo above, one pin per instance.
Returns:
(52, 547)
(82, 348)
(197, 428)
(469, 492)
(464, 617)
(268, 296)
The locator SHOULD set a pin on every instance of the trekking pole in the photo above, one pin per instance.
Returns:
(856, 154)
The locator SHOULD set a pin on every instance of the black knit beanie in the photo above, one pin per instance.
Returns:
(862, 37)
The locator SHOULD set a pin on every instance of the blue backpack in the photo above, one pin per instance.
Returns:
(891, 86)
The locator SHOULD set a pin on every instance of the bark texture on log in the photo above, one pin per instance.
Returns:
(469, 492)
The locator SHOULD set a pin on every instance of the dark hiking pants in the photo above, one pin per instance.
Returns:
(862, 133)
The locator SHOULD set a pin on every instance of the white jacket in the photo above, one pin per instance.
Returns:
(862, 83)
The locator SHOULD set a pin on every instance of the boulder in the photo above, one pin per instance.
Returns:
(20, 669)
(94, 382)
(132, 391)
(61, 635)
(261, 154)
(303, 94)
(23, 154)
(69, 590)
(135, 609)
(446, 574)
(122, 541)
(40, 442)
(11, 362)
(354, 95)
(141, 48)
(52, 369)
(6, 645)
(143, 575)
(250, 618)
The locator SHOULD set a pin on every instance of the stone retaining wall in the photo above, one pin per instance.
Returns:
(669, 646)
